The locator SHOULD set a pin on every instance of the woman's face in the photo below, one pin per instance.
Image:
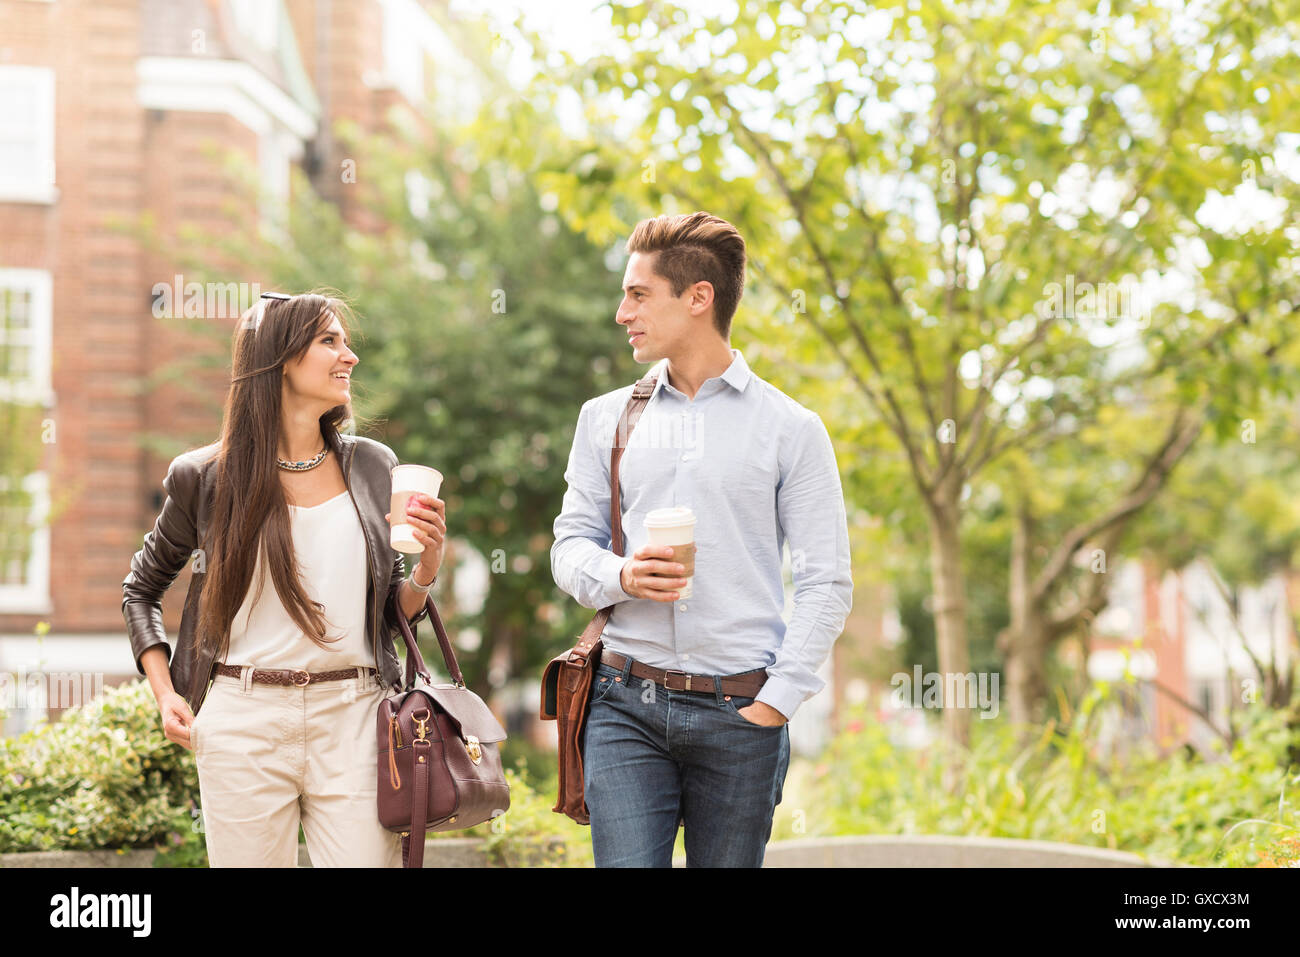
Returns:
(323, 375)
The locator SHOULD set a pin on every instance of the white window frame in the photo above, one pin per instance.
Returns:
(259, 20)
(40, 83)
(36, 388)
(275, 157)
(33, 598)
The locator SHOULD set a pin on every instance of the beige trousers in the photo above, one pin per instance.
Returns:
(270, 756)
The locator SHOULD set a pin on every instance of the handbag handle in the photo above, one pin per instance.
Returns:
(414, 660)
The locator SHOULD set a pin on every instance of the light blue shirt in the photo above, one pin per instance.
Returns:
(758, 470)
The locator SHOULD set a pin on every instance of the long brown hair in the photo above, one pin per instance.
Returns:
(249, 507)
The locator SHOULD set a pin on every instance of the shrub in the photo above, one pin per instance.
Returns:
(105, 777)
(101, 777)
(1179, 807)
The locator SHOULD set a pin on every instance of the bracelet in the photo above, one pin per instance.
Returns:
(420, 589)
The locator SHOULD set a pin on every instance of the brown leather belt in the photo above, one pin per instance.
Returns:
(746, 684)
(299, 679)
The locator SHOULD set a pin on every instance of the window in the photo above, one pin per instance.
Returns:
(25, 545)
(1205, 696)
(25, 337)
(1125, 613)
(274, 157)
(27, 134)
(24, 389)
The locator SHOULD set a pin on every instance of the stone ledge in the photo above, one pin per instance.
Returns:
(140, 858)
(440, 852)
(937, 850)
(875, 850)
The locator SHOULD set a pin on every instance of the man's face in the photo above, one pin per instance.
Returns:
(658, 323)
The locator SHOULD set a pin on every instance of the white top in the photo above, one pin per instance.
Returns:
(331, 553)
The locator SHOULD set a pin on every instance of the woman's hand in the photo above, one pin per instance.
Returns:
(428, 516)
(176, 717)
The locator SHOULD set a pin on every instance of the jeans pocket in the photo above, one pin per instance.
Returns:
(602, 682)
(733, 704)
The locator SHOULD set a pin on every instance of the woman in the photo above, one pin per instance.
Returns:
(297, 670)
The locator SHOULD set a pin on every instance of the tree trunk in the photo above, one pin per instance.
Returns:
(949, 587)
(1026, 641)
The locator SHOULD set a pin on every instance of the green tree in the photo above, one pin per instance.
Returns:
(950, 204)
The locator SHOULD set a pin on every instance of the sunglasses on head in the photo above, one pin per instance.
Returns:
(255, 319)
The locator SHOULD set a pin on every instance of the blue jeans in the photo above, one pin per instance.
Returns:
(653, 757)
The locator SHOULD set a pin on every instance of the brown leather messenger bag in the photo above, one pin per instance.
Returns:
(566, 683)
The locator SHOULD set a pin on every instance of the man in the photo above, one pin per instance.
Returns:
(757, 469)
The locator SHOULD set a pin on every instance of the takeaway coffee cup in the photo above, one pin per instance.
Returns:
(675, 527)
(409, 480)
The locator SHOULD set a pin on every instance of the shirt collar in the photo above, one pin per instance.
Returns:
(737, 375)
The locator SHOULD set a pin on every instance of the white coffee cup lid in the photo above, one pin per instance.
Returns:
(416, 477)
(670, 517)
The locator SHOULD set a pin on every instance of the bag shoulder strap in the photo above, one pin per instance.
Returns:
(636, 403)
(413, 841)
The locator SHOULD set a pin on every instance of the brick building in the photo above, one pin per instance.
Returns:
(1177, 632)
(109, 113)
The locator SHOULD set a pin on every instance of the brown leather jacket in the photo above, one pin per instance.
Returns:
(182, 525)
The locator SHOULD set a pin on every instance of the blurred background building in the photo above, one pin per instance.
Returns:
(112, 113)
(1196, 646)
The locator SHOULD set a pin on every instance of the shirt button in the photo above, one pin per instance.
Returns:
(682, 606)
(686, 458)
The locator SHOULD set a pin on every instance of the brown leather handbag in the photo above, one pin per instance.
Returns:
(566, 683)
(439, 767)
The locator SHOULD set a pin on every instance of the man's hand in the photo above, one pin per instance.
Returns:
(651, 573)
(764, 714)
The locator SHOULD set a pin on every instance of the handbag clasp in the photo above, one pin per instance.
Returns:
(421, 724)
(474, 749)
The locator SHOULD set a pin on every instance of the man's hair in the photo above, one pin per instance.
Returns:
(695, 248)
